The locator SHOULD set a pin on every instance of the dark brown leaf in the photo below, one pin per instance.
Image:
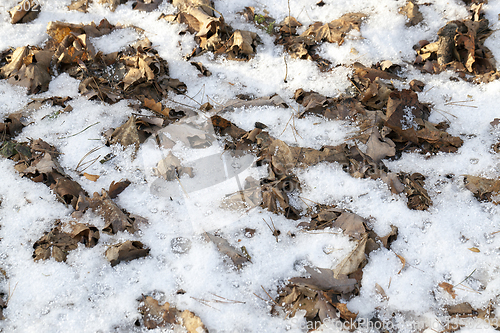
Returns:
(88, 235)
(117, 188)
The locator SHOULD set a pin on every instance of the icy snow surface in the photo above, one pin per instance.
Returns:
(86, 294)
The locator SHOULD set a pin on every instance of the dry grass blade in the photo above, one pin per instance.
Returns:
(227, 300)
(83, 130)
(93, 150)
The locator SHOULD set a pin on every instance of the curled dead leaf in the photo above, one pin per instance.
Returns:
(126, 251)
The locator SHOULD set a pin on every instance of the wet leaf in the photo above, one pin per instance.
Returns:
(126, 251)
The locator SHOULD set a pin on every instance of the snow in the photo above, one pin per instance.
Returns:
(86, 294)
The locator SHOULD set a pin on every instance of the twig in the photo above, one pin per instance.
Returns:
(260, 297)
(204, 302)
(301, 197)
(269, 295)
(227, 299)
(274, 231)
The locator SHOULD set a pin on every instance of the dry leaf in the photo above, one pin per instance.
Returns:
(379, 290)
(351, 224)
(413, 15)
(460, 309)
(345, 313)
(323, 279)
(403, 262)
(88, 235)
(448, 288)
(474, 249)
(378, 148)
(117, 187)
(25, 11)
(54, 244)
(80, 5)
(126, 251)
(90, 177)
(335, 31)
(225, 248)
(192, 323)
(170, 168)
(484, 189)
(115, 219)
(155, 315)
(352, 262)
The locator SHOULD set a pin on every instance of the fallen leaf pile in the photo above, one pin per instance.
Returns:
(212, 33)
(460, 46)
(137, 72)
(38, 161)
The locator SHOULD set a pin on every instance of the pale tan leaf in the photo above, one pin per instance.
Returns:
(352, 262)
(90, 177)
